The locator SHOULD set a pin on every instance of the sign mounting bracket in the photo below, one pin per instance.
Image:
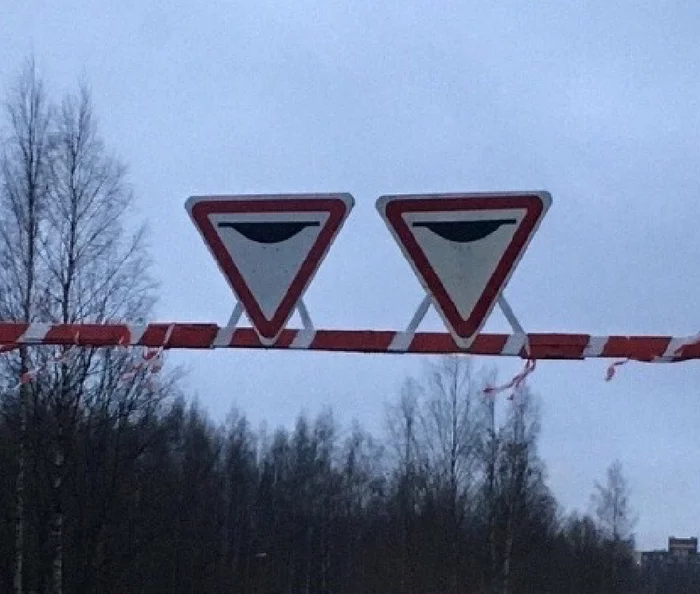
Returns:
(402, 340)
(518, 331)
(304, 315)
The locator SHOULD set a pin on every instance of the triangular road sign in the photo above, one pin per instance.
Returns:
(464, 247)
(269, 247)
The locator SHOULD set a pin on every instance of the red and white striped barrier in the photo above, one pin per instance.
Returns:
(206, 336)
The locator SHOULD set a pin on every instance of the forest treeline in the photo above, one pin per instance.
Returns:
(165, 500)
(113, 481)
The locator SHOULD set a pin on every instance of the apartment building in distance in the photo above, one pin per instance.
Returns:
(674, 570)
(680, 550)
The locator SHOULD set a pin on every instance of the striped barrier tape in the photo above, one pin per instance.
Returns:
(165, 336)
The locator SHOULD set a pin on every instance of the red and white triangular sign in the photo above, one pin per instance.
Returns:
(269, 247)
(464, 247)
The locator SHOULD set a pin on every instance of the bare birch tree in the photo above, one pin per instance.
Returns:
(519, 474)
(450, 433)
(67, 257)
(96, 272)
(435, 431)
(402, 424)
(23, 198)
(513, 488)
(449, 423)
(489, 449)
(611, 502)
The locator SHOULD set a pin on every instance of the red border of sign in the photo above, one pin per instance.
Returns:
(396, 207)
(337, 210)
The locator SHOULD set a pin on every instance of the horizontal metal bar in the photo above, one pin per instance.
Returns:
(206, 336)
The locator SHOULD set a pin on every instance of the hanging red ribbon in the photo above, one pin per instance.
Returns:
(514, 383)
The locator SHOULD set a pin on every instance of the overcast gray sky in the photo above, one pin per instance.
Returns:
(595, 101)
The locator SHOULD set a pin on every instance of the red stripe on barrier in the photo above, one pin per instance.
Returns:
(636, 347)
(10, 332)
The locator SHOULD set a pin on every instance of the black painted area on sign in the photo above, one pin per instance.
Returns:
(464, 231)
(276, 232)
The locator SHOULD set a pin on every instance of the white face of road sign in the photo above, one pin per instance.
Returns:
(464, 248)
(269, 249)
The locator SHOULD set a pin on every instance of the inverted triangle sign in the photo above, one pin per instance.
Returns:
(269, 247)
(463, 248)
